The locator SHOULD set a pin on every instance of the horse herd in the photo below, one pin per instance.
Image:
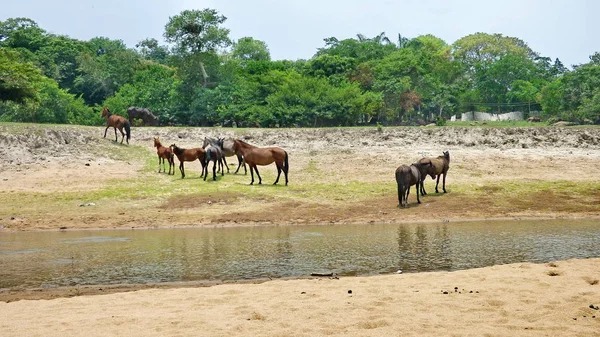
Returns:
(216, 150)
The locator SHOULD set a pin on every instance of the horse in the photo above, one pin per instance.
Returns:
(254, 156)
(406, 176)
(116, 122)
(228, 148)
(437, 167)
(164, 153)
(215, 154)
(144, 114)
(184, 155)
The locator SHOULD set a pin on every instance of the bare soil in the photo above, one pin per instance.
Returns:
(338, 175)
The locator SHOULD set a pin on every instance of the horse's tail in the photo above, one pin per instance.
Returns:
(286, 164)
(128, 130)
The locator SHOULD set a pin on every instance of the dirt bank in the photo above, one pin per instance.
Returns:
(341, 175)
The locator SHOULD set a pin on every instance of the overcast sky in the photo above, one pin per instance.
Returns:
(294, 29)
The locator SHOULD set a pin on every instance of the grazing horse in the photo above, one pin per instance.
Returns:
(164, 153)
(228, 148)
(116, 122)
(406, 176)
(215, 154)
(254, 156)
(142, 113)
(437, 167)
(184, 155)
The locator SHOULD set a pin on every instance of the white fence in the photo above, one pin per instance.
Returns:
(486, 116)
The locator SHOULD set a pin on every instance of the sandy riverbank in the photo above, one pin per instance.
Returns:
(510, 300)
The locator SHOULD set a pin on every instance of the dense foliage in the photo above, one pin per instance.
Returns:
(204, 78)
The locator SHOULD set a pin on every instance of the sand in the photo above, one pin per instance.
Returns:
(510, 300)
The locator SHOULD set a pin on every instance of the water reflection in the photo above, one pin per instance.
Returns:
(69, 258)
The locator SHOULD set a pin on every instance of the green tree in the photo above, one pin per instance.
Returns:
(247, 48)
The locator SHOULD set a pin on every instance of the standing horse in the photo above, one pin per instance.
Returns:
(254, 156)
(189, 155)
(437, 167)
(228, 148)
(164, 153)
(215, 154)
(406, 176)
(116, 122)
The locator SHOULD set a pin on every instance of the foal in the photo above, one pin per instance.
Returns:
(164, 153)
(183, 155)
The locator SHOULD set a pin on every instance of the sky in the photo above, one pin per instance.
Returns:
(295, 29)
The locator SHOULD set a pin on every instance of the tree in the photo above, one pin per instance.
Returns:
(151, 50)
(17, 78)
(197, 32)
(104, 67)
(247, 48)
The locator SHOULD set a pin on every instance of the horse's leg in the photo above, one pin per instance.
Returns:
(202, 167)
(258, 175)
(123, 135)
(225, 163)
(444, 183)
(106, 130)
(182, 170)
(399, 195)
(417, 189)
(221, 164)
(215, 168)
(251, 175)
(436, 183)
(278, 172)
(422, 184)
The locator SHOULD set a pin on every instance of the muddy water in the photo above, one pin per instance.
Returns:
(50, 259)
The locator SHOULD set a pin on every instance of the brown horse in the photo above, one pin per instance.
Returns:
(164, 153)
(116, 122)
(437, 166)
(184, 155)
(254, 156)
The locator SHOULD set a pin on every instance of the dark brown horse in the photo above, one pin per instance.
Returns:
(164, 153)
(184, 155)
(215, 154)
(117, 122)
(406, 176)
(144, 114)
(254, 156)
(227, 146)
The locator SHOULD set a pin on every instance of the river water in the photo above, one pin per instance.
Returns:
(51, 259)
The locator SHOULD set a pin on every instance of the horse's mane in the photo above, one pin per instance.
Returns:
(243, 142)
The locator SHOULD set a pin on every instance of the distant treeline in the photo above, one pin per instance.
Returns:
(204, 78)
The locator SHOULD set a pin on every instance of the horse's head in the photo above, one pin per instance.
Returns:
(156, 142)
(447, 155)
(105, 112)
